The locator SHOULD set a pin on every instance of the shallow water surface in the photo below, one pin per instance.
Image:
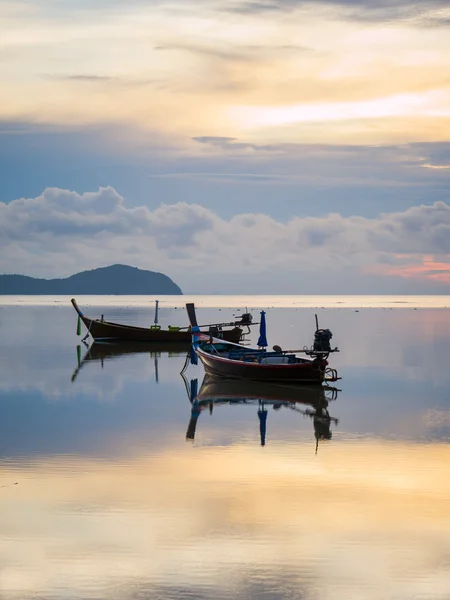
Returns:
(115, 486)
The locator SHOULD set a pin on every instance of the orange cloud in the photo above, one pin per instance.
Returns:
(427, 269)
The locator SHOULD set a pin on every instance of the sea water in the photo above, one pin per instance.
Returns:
(114, 486)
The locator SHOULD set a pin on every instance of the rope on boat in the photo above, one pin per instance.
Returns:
(88, 332)
(191, 357)
(186, 362)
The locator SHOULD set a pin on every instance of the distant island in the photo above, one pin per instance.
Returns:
(116, 279)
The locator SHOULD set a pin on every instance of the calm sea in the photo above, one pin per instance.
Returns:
(114, 486)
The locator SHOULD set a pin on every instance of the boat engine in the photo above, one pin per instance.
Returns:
(322, 339)
(246, 319)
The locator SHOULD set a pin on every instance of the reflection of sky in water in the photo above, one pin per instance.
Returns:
(360, 520)
(393, 363)
(113, 502)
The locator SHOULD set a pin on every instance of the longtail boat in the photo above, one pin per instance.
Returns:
(227, 359)
(101, 330)
(311, 401)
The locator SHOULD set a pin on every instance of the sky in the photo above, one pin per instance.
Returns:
(238, 146)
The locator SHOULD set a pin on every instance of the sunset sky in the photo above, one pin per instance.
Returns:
(225, 142)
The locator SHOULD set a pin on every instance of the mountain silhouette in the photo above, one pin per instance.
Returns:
(115, 279)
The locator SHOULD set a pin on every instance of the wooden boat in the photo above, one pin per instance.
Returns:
(102, 330)
(311, 401)
(227, 359)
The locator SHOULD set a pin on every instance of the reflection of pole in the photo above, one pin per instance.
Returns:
(322, 424)
(156, 368)
(195, 413)
(75, 373)
(262, 416)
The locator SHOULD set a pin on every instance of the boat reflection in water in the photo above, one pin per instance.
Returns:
(105, 351)
(310, 401)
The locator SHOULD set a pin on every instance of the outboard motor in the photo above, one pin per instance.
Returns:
(246, 319)
(322, 339)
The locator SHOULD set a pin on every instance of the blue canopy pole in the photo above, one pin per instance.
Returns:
(262, 340)
(156, 312)
(155, 324)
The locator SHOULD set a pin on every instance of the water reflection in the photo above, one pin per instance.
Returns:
(101, 352)
(101, 496)
(215, 391)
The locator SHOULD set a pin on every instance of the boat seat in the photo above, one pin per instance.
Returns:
(275, 360)
(244, 356)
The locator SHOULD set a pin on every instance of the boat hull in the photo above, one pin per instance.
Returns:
(309, 372)
(104, 330)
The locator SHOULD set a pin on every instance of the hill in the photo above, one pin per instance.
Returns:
(116, 279)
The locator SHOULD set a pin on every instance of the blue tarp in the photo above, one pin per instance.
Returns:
(193, 356)
(262, 340)
(194, 388)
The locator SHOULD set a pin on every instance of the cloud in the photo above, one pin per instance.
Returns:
(60, 232)
(66, 214)
(207, 51)
(373, 9)
(326, 164)
(196, 65)
(235, 53)
(87, 78)
(121, 82)
(214, 140)
(365, 10)
(424, 267)
(227, 174)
